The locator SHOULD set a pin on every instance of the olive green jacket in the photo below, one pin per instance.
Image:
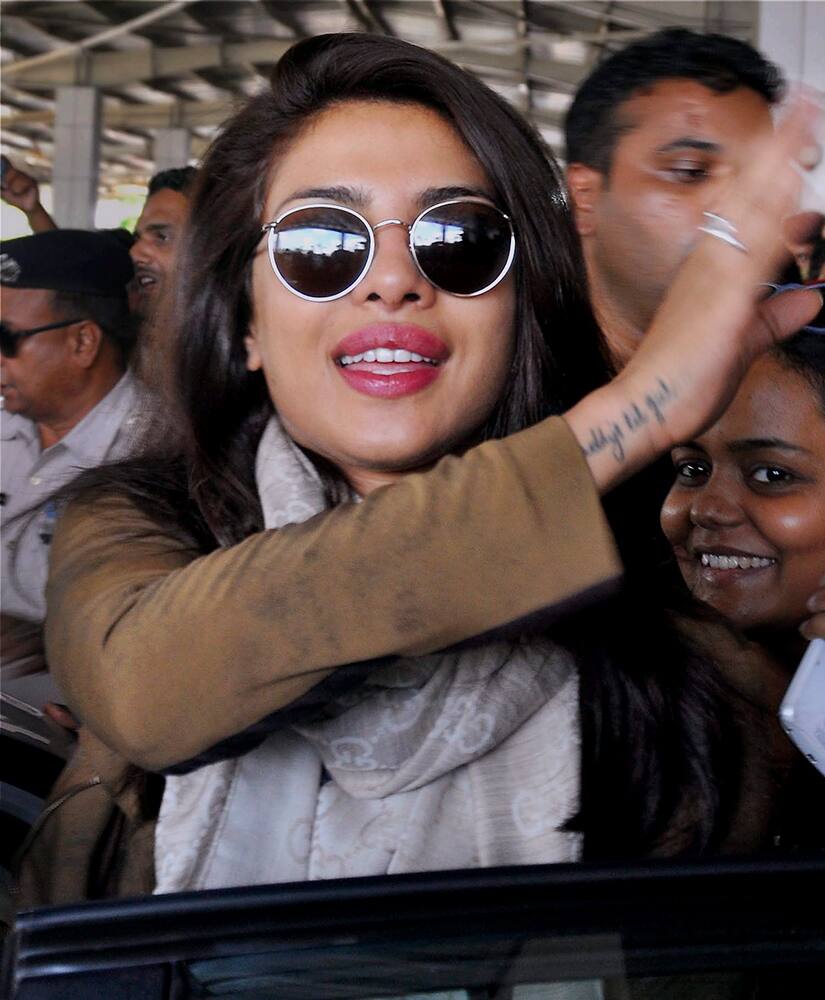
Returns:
(164, 653)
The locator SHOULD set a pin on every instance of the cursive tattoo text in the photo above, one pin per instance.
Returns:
(613, 435)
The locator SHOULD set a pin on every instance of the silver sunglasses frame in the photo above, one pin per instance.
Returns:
(270, 230)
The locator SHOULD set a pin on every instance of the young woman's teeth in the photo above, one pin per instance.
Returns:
(735, 562)
(385, 355)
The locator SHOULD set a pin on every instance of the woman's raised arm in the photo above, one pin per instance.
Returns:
(708, 330)
(163, 654)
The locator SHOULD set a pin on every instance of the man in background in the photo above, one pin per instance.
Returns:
(653, 135)
(157, 233)
(157, 237)
(69, 401)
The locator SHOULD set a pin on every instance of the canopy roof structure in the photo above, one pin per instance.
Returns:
(189, 63)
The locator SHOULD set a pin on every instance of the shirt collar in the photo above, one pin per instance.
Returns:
(89, 440)
(14, 425)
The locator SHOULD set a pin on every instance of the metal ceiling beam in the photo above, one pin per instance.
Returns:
(511, 61)
(178, 114)
(445, 19)
(112, 69)
(181, 114)
(365, 16)
(71, 50)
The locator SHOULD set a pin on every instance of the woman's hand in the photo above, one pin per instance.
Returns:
(814, 627)
(708, 330)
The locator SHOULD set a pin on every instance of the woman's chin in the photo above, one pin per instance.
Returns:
(377, 452)
(382, 469)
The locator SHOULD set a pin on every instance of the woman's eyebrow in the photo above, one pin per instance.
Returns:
(433, 195)
(754, 444)
(359, 198)
(354, 197)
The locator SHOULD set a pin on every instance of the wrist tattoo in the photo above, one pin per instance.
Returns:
(613, 435)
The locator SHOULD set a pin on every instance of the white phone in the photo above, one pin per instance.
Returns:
(802, 712)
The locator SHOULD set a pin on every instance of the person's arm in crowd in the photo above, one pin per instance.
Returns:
(705, 334)
(164, 654)
(20, 190)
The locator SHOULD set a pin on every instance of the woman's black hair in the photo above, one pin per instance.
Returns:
(198, 477)
(223, 406)
(804, 353)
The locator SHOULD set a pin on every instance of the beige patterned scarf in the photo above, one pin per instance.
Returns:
(456, 760)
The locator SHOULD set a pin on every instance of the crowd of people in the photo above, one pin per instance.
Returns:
(440, 509)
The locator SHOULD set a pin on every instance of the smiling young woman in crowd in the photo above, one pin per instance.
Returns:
(746, 515)
(381, 287)
(746, 519)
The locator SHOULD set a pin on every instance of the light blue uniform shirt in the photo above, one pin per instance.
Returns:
(28, 477)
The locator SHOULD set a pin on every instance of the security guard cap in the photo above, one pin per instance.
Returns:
(67, 260)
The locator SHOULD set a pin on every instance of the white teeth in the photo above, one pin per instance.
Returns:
(385, 355)
(734, 562)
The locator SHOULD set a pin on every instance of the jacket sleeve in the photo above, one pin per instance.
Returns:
(163, 653)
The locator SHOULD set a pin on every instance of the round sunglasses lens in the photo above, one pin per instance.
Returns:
(463, 247)
(320, 252)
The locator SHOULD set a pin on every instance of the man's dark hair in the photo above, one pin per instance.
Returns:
(110, 312)
(595, 121)
(176, 179)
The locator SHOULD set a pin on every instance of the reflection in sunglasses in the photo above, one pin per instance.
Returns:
(427, 233)
(321, 252)
(315, 239)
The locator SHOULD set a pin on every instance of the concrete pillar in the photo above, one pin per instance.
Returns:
(76, 156)
(172, 148)
(790, 33)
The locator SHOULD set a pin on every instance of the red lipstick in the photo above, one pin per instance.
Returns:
(364, 361)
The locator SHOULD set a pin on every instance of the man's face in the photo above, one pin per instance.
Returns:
(40, 380)
(682, 144)
(157, 237)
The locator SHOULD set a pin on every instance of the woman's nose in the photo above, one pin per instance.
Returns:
(716, 505)
(393, 278)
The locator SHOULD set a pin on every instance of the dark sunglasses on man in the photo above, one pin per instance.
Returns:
(10, 339)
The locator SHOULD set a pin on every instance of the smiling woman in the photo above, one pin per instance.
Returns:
(361, 470)
(391, 306)
(746, 515)
(746, 519)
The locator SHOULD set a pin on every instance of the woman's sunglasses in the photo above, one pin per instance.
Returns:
(10, 339)
(321, 252)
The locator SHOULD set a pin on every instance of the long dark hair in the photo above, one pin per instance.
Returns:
(221, 406)
(804, 353)
(199, 480)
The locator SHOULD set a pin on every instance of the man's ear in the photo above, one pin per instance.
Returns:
(585, 185)
(87, 338)
(254, 361)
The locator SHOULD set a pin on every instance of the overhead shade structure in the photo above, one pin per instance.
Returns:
(187, 64)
